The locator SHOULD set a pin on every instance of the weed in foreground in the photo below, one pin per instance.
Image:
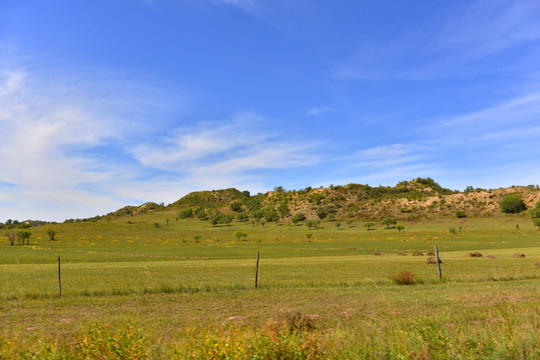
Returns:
(404, 277)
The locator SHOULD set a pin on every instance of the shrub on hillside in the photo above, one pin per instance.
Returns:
(242, 217)
(460, 214)
(512, 204)
(535, 213)
(536, 222)
(298, 217)
(186, 213)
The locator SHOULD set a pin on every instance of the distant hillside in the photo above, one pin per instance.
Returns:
(408, 200)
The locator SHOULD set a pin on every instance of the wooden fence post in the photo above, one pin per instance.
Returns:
(438, 262)
(257, 270)
(59, 278)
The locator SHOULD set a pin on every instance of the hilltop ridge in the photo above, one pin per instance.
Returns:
(408, 200)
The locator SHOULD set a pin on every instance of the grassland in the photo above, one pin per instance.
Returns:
(185, 290)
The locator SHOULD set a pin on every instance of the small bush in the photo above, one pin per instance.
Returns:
(512, 204)
(185, 214)
(298, 217)
(417, 253)
(404, 277)
(475, 254)
(293, 322)
(460, 214)
(518, 255)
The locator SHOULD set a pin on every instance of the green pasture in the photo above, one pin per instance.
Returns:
(185, 289)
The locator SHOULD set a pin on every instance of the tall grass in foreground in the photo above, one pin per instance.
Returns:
(296, 336)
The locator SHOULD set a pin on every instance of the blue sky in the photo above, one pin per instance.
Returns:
(108, 103)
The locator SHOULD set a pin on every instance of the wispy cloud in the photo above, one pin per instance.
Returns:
(83, 146)
(254, 7)
(235, 147)
(314, 111)
(458, 47)
(58, 137)
(486, 27)
(511, 121)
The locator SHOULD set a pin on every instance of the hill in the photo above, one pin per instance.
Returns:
(409, 200)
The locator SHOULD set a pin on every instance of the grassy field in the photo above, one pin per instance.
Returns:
(185, 289)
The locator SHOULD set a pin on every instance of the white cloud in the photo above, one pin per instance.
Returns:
(54, 129)
(76, 146)
(237, 147)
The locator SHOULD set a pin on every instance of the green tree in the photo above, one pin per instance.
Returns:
(51, 233)
(389, 222)
(338, 225)
(400, 227)
(11, 237)
(368, 225)
(512, 204)
(309, 236)
(536, 222)
(460, 214)
(24, 235)
(241, 234)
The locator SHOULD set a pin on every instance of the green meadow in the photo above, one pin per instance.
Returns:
(150, 286)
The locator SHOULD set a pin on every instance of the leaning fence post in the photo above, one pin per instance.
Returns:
(438, 262)
(59, 278)
(257, 270)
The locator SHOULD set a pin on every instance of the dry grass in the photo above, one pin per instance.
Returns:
(432, 260)
(519, 255)
(403, 277)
